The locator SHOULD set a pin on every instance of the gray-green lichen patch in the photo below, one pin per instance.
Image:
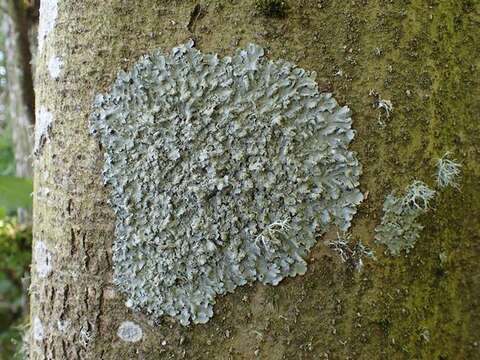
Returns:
(130, 332)
(42, 259)
(37, 329)
(400, 228)
(222, 172)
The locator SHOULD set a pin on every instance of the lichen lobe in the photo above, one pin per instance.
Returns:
(222, 172)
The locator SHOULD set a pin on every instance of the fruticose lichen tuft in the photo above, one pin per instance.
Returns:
(447, 172)
(400, 228)
(222, 172)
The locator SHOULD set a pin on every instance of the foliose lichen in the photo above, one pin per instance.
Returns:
(222, 172)
(400, 228)
(130, 332)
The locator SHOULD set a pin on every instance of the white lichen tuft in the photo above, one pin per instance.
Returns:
(447, 172)
(55, 66)
(47, 19)
(42, 259)
(418, 196)
(223, 171)
(400, 228)
(43, 124)
(85, 336)
(130, 332)
(341, 246)
(37, 329)
(351, 254)
(386, 105)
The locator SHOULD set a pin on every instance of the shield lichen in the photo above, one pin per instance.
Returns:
(222, 172)
(130, 332)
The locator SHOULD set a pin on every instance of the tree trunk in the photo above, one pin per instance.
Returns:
(422, 57)
(20, 84)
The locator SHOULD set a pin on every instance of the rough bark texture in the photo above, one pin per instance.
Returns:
(20, 84)
(423, 56)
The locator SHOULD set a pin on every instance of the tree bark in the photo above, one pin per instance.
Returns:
(422, 306)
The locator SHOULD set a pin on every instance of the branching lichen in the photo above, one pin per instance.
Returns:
(400, 229)
(222, 171)
(447, 172)
(351, 254)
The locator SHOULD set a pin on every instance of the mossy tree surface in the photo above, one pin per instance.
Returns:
(423, 56)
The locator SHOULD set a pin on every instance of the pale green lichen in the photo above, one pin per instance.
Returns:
(223, 171)
(130, 332)
(447, 172)
(400, 228)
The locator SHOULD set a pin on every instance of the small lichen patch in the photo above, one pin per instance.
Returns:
(43, 123)
(55, 65)
(63, 325)
(447, 172)
(400, 229)
(351, 254)
(37, 329)
(130, 332)
(42, 259)
(223, 172)
(386, 105)
(48, 17)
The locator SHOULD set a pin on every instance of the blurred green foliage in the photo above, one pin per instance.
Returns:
(15, 193)
(15, 258)
(7, 161)
(15, 246)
